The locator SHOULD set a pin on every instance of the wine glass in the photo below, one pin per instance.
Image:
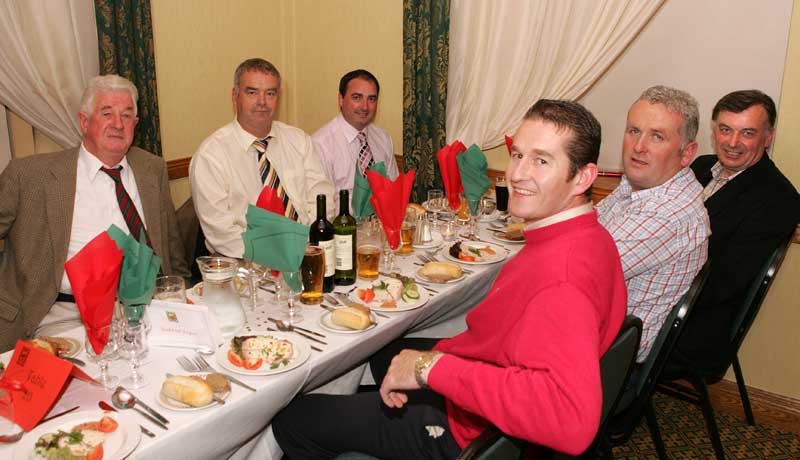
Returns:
(255, 275)
(393, 249)
(435, 198)
(9, 431)
(280, 287)
(294, 283)
(132, 341)
(170, 288)
(476, 204)
(104, 353)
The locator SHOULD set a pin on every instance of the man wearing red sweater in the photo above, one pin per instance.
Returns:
(529, 359)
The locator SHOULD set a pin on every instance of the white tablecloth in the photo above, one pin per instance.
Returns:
(239, 429)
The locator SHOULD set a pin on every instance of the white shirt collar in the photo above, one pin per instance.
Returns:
(350, 133)
(245, 139)
(561, 216)
(90, 165)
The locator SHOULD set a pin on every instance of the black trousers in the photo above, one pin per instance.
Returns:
(317, 426)
(379, 362)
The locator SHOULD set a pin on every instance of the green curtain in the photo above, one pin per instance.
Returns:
(426, 25)
(125, 39)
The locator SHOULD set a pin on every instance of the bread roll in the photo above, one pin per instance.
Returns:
(355, 316)
(44, 345)
(417, 208)
(219, 383)
(192, 391)
(440, 271)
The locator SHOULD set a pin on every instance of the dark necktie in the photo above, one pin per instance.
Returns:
(135, 225)
(275, 194)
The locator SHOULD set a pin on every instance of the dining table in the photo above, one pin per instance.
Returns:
(240, 428)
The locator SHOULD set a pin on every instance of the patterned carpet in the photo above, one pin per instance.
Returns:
(686, 438)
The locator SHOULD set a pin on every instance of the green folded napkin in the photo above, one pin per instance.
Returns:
(276, 242)
(472, 166)
(362, 192)
(137, 278)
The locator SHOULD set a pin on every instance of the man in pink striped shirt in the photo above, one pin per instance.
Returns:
(656, 215)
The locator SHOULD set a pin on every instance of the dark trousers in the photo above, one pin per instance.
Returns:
(379, 362)
(317, 426)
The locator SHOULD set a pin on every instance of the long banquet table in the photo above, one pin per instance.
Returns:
(238, 429)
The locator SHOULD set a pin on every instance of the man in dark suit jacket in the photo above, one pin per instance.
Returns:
(751, 206)
(45, 198)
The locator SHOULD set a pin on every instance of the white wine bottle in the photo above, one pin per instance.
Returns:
(344, 238)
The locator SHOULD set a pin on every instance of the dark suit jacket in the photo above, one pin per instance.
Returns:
(37, 196)
(749, 217)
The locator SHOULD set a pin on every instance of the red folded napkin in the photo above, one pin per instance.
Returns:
(268, 200)
(94, 275)
(451, 177)
(509, 143)
(390, 199)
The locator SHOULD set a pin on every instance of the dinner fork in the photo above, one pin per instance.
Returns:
(195, 366)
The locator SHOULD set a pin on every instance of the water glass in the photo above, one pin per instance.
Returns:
(133, 346)
(435, 202)
(105, 354)
(170, 288)
(292, 315)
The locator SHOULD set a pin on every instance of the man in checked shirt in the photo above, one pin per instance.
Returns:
(656, 215)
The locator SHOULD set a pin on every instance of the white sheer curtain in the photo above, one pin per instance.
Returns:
(506, 54)
(48, 55)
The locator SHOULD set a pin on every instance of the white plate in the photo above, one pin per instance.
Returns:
(302, 351)
(435, 242)
(424, 278)
(326, 322)
(402, 305)
(175, 405)
(74, 346)
(501, 253)
(116, 446)
(497, 237)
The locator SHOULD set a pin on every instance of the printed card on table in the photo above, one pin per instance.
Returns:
(41, 378)
(181, 325)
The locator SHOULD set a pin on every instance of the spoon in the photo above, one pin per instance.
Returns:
(106, 406)
(208, 351)
(123, 399)
(289, 328)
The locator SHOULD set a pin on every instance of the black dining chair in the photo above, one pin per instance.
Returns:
(615, 367)
(701, 376)
(636, 402)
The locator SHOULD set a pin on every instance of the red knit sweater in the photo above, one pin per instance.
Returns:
(529, 360)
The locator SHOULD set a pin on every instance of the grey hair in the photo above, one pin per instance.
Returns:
(255, 65)
(109, 82)
(679, 102)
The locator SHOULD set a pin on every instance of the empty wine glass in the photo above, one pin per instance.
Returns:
(255, 275)
(9, 431)
(132, 346)
(294, 283)
(477, 206)
(435, 198)
(104, 353)
(390, 236)
(171, 288)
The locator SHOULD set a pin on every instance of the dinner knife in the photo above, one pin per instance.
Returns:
(44, 420)
(300, 328)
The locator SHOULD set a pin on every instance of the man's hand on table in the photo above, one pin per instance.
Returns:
(400, 376)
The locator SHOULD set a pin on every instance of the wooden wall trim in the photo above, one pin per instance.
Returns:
(179, 168)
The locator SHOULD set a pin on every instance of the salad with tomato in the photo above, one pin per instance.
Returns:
(84, 441)
(253, 351)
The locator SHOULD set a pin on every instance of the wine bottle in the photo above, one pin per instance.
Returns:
(321, 234)
(344, 238)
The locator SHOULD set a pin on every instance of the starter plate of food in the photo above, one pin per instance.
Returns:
(509, 237)
(193, 392)
(391, 294)
(91, 435)
(263, 353)
(440, 272)
(475, 253)
(64, 347)
(354, 319)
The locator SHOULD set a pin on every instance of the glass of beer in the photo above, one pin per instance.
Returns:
(170, 288)
(312, 271)
(368, 252)
(501, 194)
(407, 233)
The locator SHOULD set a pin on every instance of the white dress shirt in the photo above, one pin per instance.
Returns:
(338, 146)
(225, 180)
(96, 206)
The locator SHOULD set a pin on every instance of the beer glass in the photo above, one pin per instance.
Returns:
(407, 230)
(501, 194)
(368, 252)
(170, 288)
(312, 271)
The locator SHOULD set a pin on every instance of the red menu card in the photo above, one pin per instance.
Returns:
(38, 379)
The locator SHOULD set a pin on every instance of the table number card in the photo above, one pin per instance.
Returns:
(41, 377)
(182, 325)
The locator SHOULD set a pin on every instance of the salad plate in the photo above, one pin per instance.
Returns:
(388, 290)
(475, 253)
(300, 353)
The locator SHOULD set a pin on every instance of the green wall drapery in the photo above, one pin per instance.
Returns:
(426, 25)
(125, 41)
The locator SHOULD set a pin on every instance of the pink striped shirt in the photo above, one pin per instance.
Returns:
(662, 237)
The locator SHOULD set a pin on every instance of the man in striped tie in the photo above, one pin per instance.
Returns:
(351, 142)
(51, 205)
(254, 159)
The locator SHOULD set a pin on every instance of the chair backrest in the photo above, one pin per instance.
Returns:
(758, 292)
(616, 363)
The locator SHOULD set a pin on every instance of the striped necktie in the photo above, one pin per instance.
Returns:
(364, 154)
(272, 183)
(132, 219)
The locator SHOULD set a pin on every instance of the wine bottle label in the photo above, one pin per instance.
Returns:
(330, 262)
(344, 251)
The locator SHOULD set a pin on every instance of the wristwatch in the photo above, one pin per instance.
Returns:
(424, 361)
